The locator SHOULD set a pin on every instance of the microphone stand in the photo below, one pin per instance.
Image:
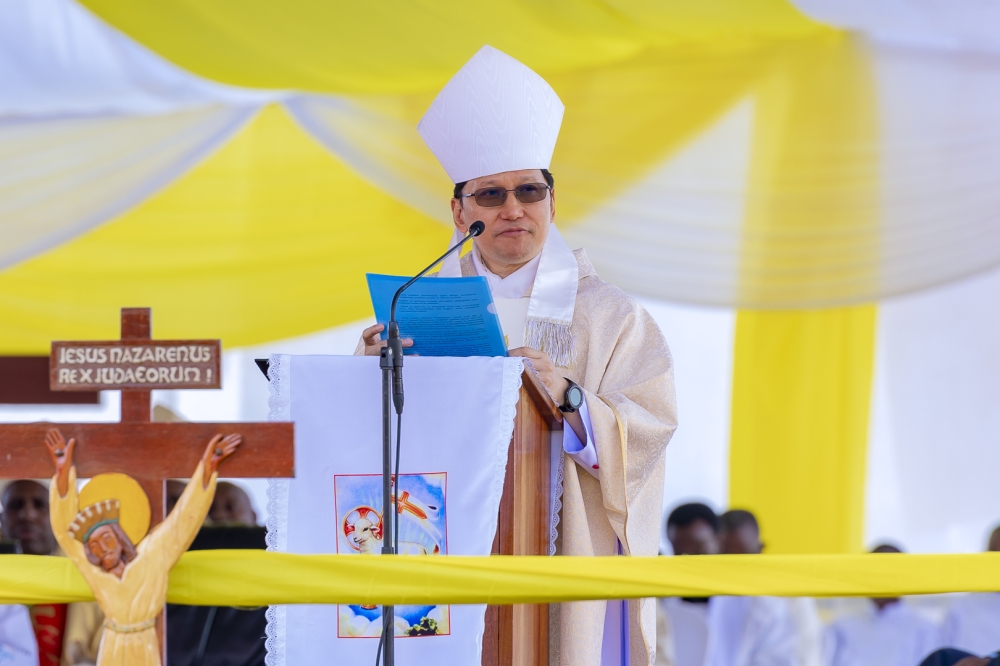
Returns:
(391, 365)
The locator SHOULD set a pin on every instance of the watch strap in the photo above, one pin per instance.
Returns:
(566, 406)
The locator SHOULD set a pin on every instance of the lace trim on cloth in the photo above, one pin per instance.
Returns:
(510, 392)
(558, 470)
(277, 506)
(513, 368)
(552, 337)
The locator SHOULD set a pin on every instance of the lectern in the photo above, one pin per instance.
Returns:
(519, 635)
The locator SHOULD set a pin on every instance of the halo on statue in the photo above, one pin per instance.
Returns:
(134, 512)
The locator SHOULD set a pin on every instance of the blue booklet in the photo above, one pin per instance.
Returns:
(444, 316)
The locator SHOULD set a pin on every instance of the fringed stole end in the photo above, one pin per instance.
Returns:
(552, 337)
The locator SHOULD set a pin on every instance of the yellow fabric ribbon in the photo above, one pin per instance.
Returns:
(257, 578)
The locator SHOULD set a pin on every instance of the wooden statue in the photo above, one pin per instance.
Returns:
(126, 568)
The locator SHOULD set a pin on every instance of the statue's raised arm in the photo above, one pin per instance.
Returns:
(219, 448)
(178, 530)
(62, 455)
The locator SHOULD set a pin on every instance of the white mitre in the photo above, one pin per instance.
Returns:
(494, 115)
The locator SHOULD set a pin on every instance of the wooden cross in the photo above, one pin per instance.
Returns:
(149, 452)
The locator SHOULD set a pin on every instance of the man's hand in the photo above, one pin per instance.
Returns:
(972, 661)
(62, 455)
(546, 371)
(554, 383)
(374, 344)
(219, 448)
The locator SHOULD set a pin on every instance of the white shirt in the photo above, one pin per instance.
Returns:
(732, 631)
(18, 646)
(515, 285)
(689, 628)
(973, 623)
(808, 629)
(894, 636)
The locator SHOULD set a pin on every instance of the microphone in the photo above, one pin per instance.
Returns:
(395, 343)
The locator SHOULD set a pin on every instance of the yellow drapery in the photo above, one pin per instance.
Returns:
(256, 578)
(802, 379)
(404, 46)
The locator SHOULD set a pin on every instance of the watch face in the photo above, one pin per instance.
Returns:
(574, 396)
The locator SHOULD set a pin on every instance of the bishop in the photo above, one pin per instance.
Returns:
(597, 351)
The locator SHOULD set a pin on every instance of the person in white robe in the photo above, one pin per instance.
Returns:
(887, 635)
(890, 633)
(732, 631)
(973, 621)
(723, 631)
(739, 534)
(597, 351)
(18, 646)
(665, 655)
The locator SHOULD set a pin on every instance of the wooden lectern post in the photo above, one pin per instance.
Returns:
(519, 635)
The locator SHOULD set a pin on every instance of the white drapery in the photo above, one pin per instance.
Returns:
(92, 123)
(972, 25)
(61, 177)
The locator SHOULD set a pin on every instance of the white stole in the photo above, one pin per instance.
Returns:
(549, 313)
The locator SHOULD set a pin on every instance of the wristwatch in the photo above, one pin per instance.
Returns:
(573, 397)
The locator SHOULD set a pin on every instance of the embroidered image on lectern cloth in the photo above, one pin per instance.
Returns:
(457, 425)
(423, 529)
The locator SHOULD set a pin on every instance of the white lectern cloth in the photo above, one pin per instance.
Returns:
(457, 425)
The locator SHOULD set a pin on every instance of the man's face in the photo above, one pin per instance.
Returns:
(103, 543)
(698, 538)
(231, 505)
(26, 517)
(515, 232)
(744, 540)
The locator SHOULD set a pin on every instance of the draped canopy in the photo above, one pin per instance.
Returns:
(725, 153)
(239, 165)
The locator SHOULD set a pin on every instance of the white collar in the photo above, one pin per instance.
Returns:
(515, 285)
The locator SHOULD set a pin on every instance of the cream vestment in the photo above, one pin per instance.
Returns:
(623, 364)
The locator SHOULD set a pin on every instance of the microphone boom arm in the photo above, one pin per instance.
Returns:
(475, 229)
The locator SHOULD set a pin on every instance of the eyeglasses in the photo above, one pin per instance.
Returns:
(491, 197)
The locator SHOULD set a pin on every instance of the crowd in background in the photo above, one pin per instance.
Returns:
(772, 631)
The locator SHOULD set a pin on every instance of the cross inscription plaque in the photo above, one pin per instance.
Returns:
(149, 452)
